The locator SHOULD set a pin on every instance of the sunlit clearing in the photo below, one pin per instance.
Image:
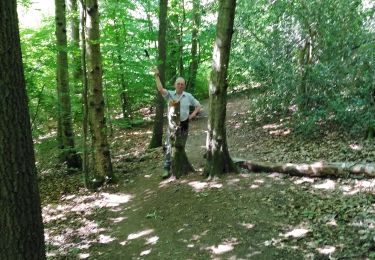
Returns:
(140, 234)
(117, 220)
(326, 250)
(146, 252)
(303, 180)
(103, 239)
(152, 240)
(247, 225)
(223, 248)
(199, 185)
(327, 185)
(298, 232)
(356, 147)
(84, 256)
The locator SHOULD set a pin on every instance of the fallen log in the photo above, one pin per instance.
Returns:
(316, 169)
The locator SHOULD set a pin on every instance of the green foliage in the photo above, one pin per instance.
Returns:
(332, 84)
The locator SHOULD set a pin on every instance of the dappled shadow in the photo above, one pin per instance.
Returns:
(69, 224)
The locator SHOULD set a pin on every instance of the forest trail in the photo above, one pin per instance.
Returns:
(243, 216)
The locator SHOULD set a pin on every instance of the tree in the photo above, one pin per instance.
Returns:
(65, 135)
(102, 165)
(74, 39)
(157, 134)
(194, 46)
(180, 164)
(218, 159)
(20, 215)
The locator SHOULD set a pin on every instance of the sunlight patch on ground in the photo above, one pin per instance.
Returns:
(140, 234)
(83, 204)
(165, 183)
(326, 250)
(297, 232)
(247, 225)
(259, 181)
(119, 219)
(304, 180)
(254, 186)
(326, 185)
(356, 147)
(200, 185)
(233, 181)
(145, 252)
(152, 240)
(104, 239)
(197, 237)
(276, 175)
(84, 256)
(224, 247)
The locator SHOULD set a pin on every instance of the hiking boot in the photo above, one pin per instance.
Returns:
(166, 174)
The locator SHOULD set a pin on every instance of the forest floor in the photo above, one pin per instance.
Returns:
(239, 216)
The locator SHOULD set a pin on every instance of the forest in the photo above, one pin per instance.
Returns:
(187, 129)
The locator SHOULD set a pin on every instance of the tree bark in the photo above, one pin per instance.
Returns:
(157, 134)
(20, 212)
(218, 159)
(318, 169)
(68, 153)
(74, 38)
(194, 46)
(180, 164)
(102, 165)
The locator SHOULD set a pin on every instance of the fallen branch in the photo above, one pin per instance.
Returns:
(317, 169)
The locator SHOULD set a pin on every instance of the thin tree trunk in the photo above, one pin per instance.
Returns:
(181, 42)
(68, 153)
(194, 46)
(157, 134)
(85, 104)
(21, 223)
(76, 59)
(102, 165)
(218, 159)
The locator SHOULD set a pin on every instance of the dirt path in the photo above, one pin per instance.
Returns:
(244, 216)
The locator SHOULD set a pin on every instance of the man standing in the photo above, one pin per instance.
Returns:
(186, 100)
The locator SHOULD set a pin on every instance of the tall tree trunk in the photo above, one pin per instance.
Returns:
(20, 213)
(85, 104)
(68, 153)
(218, 159)
(102, 164)
(194, 46)
(180, 40)
(74, 37)
(157, 135)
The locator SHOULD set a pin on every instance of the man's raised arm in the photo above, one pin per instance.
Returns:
(162, 90)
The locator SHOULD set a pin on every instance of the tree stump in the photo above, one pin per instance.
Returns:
(180, 164)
